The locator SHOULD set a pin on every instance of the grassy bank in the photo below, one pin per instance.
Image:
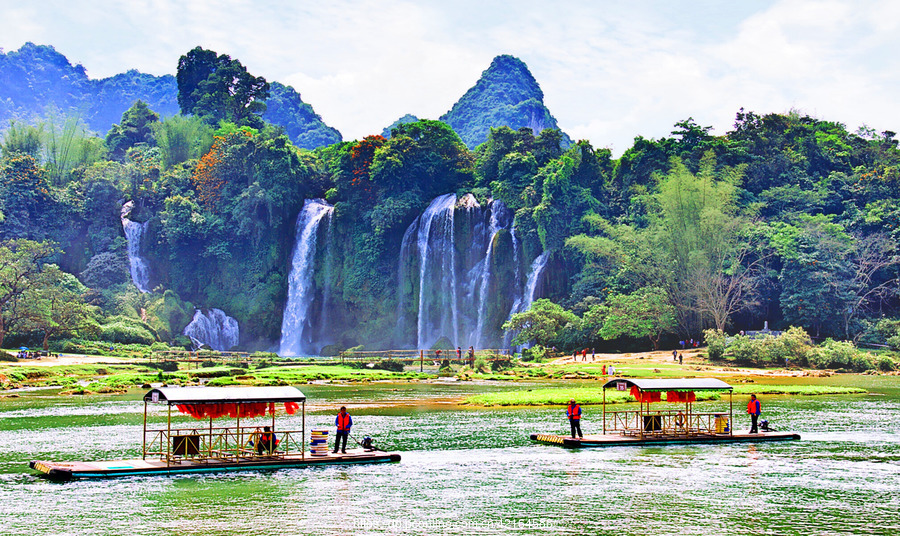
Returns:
(559, 396)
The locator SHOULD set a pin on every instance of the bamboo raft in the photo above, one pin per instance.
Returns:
(678, 425)
(178, 449)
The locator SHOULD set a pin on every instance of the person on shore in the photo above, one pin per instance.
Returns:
(343, 421)
(459, 354)
(471, 357)
(593, 355)
(584, 355)
(573, 412)
(611, 369)
(674, 355)
(680, 358)
(753, 408)
(604, 370)
(266, 441)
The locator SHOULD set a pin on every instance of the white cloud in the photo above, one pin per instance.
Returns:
(609, 70)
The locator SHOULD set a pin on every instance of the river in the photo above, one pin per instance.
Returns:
(470, 471)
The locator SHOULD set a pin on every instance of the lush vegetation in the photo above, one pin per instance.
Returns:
(785, 218)
(37, 80)
(560, 396)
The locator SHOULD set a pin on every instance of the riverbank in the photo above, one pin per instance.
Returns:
(81, 374)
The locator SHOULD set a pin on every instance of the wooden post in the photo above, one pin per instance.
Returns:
(604, 410)
(730, 412)
(209, 443)
(421, 360)
(144, 443)
(303, 428)
(169, 437)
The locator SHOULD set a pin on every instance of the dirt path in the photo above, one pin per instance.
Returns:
(68, 359)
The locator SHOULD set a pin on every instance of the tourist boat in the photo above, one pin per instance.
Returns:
(673, 424)
(181, 447)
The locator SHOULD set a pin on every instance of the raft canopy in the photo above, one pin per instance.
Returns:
(220, 395)
(675, 384)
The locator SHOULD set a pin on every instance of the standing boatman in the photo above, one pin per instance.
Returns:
(573, 412)
(753, 408)
(343, 421)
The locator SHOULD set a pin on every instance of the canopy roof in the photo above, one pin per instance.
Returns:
(677, 384)
(218, 395)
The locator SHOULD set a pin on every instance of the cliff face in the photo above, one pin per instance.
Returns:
(505, 95)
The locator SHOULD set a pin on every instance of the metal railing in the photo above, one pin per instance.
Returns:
(218, 444)
(666, 423)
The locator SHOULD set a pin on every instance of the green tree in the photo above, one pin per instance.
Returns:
(643, 313)
(136, 127)
(227, 92)
(542, 323)
(181, 138)
(21, 138)
(21, 262)
(54, 306)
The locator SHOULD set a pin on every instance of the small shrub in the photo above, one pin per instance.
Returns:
(8, 357)
(390, 365)
(886, 364)
(715, 343)
(481, 364)
(500, 364)
(209, 363)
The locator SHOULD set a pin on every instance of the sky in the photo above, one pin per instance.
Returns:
(609, 70)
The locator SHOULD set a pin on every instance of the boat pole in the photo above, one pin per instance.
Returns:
(303, 431)
(604, 410)
(421, 360)
(144, 442)
(209, 443)
(169, 436)
(731, 412)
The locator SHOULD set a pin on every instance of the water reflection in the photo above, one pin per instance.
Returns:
(469, 472)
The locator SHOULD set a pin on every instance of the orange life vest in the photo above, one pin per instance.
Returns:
(343, 421)
(753, 407)
(574, 412)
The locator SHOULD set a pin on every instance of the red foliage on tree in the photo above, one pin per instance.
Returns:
(361, 156)
(207, 180)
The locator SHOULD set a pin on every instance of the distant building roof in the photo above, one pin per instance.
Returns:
(679, 384)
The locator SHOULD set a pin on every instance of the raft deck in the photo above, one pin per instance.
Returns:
(119, 468)
(618, 440)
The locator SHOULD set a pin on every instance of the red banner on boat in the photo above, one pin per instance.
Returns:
(680, 396)
(231, 409)
(641, 396)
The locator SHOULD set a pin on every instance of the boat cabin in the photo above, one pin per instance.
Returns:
(245, 437)
(678, 420)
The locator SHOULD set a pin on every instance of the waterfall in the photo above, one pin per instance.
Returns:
(448, 259)
(537, 269)
(437, 259)
(296, 328)
(500, 218)
(524, 302)
(134, 231)
(214, 329)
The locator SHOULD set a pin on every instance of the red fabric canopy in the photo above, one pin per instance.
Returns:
(234, 410)
(680, 396)
(641, 396)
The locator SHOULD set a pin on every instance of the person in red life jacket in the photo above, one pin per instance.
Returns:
(753, 409)
(265, 441)
(343, 421)
(573, 412)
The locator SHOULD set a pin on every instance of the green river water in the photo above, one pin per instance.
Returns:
(470, 471)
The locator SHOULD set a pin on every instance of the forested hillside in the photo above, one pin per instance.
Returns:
(37, 83)
(418, 240)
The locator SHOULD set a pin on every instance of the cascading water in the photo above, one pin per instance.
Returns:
(524, 302)
(448, 286)
(214, 329)
(437, 261)
(296, 327)
(500, 219)
(134, 231)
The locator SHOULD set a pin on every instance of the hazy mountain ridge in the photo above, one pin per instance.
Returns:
(36, 78)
